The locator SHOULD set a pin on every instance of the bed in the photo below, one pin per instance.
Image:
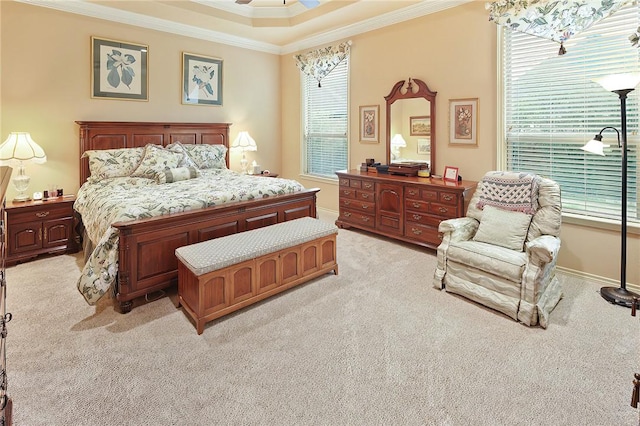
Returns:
(135, 254)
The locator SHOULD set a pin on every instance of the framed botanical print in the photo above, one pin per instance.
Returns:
(201, 80)
(463, 121)
(369, 119)
(119, 70)
(450, 174)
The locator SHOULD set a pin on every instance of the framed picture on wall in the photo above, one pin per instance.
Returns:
(424, 146)
(369, 118)
(463, 122)
(119, 70)
(201, 80)
(420, 125)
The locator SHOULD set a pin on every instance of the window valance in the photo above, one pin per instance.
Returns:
(551, 19)
(320, 62)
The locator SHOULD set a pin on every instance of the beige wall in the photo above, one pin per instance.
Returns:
(46, 87)
(454, 52)
(45, 82)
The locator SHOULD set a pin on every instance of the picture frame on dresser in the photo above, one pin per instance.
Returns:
(450, 174)
(201, 80)
(119, 70)
(369, 127)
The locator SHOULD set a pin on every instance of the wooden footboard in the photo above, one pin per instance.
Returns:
(147, 260)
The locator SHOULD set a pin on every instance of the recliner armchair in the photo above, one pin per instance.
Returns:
(503, 253)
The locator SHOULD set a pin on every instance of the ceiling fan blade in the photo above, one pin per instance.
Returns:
(309, 4)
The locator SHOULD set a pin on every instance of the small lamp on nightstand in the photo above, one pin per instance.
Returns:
(18, 149)
(244, 142)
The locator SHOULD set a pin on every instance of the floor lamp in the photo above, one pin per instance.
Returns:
(621, 84)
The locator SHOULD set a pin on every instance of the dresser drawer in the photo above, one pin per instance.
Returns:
(442, 210)
(418, 193)
(422, 233)
(357, 205)
(448, 198)
(417, 205)
(343, 182)
(43, 212)
(347, 193)
(424, 219)
(365, 196)
(358, 218)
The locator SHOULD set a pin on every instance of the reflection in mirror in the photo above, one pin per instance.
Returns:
(411, 123)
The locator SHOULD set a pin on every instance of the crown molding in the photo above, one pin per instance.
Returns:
(396, 17)
(253, 12)
(84, 8)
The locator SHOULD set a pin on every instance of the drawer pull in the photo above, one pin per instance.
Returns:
(416, 205)
(42, 214)
(344, 182)
(447, 197)
(40, 234)
(443, 209)
(345, 192)
(416, 231)
(366, 218)
(417, 217)
(413, 192)
(365, 206)
(346, 202)
(347, 214)
(365, 196)
(368, 185)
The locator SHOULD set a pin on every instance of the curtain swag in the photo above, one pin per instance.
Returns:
(555, 20)
(320, 62)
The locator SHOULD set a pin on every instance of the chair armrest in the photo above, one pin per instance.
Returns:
(543, 249)
(459, 229)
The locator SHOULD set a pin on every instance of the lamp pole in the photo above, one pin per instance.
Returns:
(620, 295)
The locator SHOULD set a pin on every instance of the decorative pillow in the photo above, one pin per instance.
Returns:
(110, 163)
(177, 174)
(186, 161)
(503, 228)
(510, 191)
(207, 156)
(155, 160)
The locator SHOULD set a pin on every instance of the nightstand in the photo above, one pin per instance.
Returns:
(40, 227)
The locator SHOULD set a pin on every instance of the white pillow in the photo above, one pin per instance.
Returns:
(207, 156)
(155, 160)
(503, 228)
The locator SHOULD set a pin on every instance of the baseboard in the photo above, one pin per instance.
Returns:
(597, 278)
(332, 215)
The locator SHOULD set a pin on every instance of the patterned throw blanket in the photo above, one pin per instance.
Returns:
(510, 191)
(107, 201)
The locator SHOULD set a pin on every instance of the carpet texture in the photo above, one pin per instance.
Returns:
(375, 345)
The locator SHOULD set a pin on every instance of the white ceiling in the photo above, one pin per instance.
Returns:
(264, 25)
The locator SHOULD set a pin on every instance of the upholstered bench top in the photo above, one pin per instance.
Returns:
(221, 252)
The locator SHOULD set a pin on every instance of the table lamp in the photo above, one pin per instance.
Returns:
(244, 142)
(397, 142)
(19, 149)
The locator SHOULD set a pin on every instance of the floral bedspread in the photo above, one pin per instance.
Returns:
(125, 198)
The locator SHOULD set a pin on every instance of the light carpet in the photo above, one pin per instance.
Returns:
(375, 345)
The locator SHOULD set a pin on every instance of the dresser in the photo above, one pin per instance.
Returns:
(407, 208)
(6, 407)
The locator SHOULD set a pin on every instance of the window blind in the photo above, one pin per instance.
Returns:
(552, 107)
(326, 122)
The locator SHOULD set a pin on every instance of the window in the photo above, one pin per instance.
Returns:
(551, 108)
(326, 122)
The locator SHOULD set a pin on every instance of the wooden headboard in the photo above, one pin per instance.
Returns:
(95, 135)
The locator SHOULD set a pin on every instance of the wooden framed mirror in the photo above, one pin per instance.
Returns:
(411, 113)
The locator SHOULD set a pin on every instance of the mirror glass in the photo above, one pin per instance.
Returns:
(411, 123)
